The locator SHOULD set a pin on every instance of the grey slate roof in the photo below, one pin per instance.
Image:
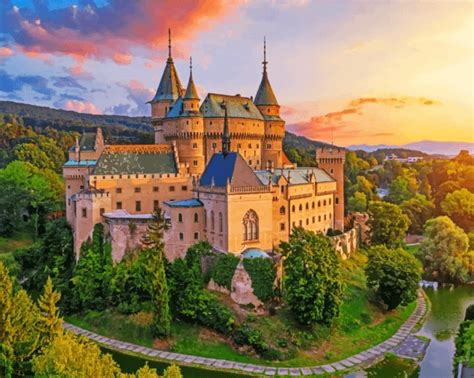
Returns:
(132, 162)
(170, 87)
(86, 142)
(232, 167)
(191, 91)
(237, 107)
(265, 95)
(298, 175)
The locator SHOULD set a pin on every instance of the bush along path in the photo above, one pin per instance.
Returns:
(358, 361)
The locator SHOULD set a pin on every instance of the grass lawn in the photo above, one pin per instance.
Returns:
(361, 324)
(18, 240)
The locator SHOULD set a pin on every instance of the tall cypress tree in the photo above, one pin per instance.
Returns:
(159, 285)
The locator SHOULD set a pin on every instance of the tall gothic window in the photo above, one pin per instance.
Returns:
(250, 222)
(212, 220)
(221, 223)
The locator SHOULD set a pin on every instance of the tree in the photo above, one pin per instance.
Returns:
(357, 203)
(51, 324)
(313, 284)
(159, 285)
(399, 190)
(444, 252)
(393, 274)
(418, 209)
(70, 356)
(31, 153)
(387, 224)
(93, 272)
(459, 206)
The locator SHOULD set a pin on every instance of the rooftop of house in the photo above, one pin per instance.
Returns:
(299, 175)
(80, 163)
(86, 142)
(228, 167)
(124, 214)
(177, 110)
(192, 202)
(237, 107)
(136, 159)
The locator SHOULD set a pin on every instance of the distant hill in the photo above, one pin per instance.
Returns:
(116, 128)
(426, 146)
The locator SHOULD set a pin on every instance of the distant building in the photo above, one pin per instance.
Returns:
(410, 159)
(217, 169)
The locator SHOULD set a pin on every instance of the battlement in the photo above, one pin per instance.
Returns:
(138, 148)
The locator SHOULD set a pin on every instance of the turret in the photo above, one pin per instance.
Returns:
(332, 159)
(265, 99)
(169, 90)
(191, 97)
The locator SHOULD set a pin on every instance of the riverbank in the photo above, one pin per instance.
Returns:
(355, 362)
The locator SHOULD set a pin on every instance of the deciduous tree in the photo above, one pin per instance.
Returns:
(388, 225)
(393, 274)
(459, 206)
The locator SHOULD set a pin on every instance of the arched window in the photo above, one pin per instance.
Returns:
(250, 223)
(312, 205)
(212, 220)
(221, 223)
(330, 201)
(196, 217)
(205, 219)
(301, 207)
(324, 202)
(293, 208)
(282, 210)
(307, 206)
(180, 218)
(319, 203)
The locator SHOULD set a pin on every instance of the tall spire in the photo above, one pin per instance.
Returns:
(169, 88)
(264, 55)
(169, 44)
(265, 95)
(225, 134)
(191, 92)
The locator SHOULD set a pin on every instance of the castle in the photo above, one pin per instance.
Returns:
(217, 170)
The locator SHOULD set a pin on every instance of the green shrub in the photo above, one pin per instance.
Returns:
(263, 274)
(465, 345)
(223, 269)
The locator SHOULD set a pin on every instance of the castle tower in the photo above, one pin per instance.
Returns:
(169, 90)
(265, 99)
(184, 124)
(332, 159)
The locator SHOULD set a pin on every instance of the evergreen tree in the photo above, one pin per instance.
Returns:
(50, 321)
(159, 285)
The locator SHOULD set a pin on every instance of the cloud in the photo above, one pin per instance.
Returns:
(110, 31)
(66, 82)
(342, 123)
(5, 52)
(81, 106)
(138, 95)
(12, 84)
(397, 102)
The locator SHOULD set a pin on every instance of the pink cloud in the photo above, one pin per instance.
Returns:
(81, 107)
(5, 52)
(109, 31)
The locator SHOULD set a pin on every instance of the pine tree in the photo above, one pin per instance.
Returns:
(159, 285)
(50, 322)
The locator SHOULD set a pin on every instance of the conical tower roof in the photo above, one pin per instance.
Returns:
(191, 91)
(265, 95)
(170, 87)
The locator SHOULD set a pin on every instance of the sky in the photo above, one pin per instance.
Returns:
(347, 72)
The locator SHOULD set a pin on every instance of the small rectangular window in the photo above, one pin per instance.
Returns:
(101, 211)
(156, 205)
(156, 189)
(81, 187)
(195, 162)
(171, 188)
(282, 226)
(138, 190)
(184, 188)
(118, 190)
(282, 189)
(181, 236)
(195, 145)
(84, 212)
(196, 236)
(337, 200)
(214, 145)
(119, 206)
(138, 206)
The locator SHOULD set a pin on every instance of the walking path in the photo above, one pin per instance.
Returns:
(357, 361)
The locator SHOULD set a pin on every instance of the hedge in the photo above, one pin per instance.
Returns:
(263, 273)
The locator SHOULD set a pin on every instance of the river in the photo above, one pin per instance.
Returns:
(448, 310)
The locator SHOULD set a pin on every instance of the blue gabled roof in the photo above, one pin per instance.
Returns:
(230, 166)
(192, 202)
